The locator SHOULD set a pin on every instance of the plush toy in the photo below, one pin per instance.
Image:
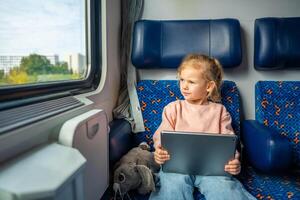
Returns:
(135, 170)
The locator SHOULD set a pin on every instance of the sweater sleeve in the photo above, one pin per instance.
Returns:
(167, 123)
(225, 124)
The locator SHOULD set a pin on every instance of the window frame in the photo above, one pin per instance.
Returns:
(16, 95)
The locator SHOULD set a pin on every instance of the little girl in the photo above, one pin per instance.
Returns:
(200, 78)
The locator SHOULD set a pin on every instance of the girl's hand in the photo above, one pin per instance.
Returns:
(160, 155)
(234, 166)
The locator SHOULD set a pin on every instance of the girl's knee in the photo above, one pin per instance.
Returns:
(173, 186)
(175, 180)
(222, 188)
(222, 182)
(173, 176)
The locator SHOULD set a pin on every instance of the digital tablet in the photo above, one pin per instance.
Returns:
(198, 153)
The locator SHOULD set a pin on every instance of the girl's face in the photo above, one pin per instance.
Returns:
(193, 86)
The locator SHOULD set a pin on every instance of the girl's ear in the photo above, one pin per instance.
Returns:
(213, 93)
(210, 87)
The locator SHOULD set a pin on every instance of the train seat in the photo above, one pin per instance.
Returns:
(273, 171)
(160, 45)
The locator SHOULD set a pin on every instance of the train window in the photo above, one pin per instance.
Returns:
(45, 46)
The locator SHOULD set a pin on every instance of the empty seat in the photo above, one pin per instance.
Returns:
(272, 140)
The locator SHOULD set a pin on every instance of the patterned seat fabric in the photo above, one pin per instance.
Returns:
(277, 106)
(155, 95)
(270, 187)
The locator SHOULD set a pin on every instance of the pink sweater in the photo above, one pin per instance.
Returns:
(181, 115)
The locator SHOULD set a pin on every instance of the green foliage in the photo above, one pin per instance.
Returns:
(38, 64)
(2, 78)
(1, 74)
(60, 68)
(36, 68)
(35, 64)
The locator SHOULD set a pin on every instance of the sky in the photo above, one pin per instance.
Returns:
(45, 27)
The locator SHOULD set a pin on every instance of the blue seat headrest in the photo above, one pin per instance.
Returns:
(277, 43)
(163, 44)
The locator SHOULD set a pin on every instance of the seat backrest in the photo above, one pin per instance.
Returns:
(277, 43)
(163, 44)
(277, 46)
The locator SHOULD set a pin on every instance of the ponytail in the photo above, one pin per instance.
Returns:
(216, 75)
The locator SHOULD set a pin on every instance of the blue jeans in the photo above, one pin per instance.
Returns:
(174, 186)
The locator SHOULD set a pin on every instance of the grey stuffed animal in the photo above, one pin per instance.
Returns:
(135, 170)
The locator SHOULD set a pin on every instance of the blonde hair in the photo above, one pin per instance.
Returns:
(212, 71)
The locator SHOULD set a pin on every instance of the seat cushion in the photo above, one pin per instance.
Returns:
(278, 106)
(155, 95)
(270, 187)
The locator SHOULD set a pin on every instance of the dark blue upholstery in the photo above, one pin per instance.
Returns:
(120, 140)
(266, 187)
(277, 43)
(272, 141)
(278, 107)
(272, 147)
(163, 44)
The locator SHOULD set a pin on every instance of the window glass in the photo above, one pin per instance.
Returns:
(42, 41)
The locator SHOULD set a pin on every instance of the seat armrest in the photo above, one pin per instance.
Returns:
(120, 140)
(265, 149)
